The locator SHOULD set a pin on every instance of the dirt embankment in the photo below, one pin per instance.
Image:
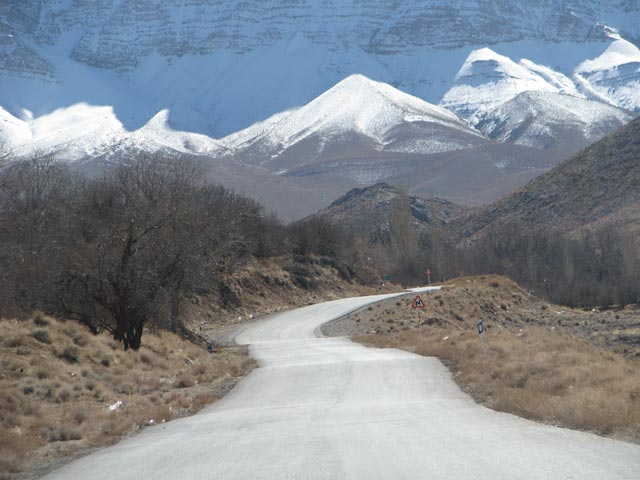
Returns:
(544, 362)
(267, 287)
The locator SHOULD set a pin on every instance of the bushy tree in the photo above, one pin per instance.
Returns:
(126, 248)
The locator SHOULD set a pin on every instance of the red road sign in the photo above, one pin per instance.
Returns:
(428, 271)
(418, 302)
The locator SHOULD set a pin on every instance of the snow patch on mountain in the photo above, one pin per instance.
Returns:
(13, 132)
(561, 82)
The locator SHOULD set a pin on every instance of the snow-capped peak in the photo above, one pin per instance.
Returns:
(356, 104)
(488, 79)
(619, 52)
(479, 61)
(613, 76)
(360, 91)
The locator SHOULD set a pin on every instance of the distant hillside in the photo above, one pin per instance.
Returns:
(600, 186)
(571, 234)
(366, 211)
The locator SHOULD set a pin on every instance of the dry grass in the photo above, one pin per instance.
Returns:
(57, 382)
(543, 373)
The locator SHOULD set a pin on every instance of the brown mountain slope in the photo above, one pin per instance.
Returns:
(366, 211)
(600, 186)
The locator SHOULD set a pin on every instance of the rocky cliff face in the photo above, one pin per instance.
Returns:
(120, 33)
(220, 66)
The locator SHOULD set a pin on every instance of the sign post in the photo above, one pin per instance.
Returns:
(429, 276)
(210, 350)
(417, 304)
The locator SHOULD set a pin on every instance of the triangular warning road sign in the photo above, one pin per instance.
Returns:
(417, 302)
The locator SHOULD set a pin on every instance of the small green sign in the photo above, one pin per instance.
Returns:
(387, 278)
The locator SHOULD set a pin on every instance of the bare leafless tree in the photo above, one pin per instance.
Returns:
(403, 239)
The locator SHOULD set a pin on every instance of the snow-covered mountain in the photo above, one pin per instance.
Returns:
(356, 114)
(218, 67)
(99, 79)
(614, 76)
(546, 120)
(487, 80)
(85, 132)
(361, 131)
(534, 105)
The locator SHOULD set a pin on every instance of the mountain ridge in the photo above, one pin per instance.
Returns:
(355, 107)
(596, 189)
(200, 60)
(587, 190)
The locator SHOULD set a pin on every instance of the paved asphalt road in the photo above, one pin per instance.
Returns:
(323, 408)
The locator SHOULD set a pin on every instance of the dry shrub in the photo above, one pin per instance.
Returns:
(13, 449)
(70, 354)
(157, 413)
(13, 342)
(63, 395)
(146, 358)
(42, 336)
(63, 433)
(202, 400)
(40, 319)
(115, 427)
(184, 380)
(124, 387)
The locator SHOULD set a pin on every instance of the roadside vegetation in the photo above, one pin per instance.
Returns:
(58, 379)
(58, 382)
(137, 244)
(537, 360)
(133, 270)
(586, 267)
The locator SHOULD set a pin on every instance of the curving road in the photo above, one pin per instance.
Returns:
(327, 408)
